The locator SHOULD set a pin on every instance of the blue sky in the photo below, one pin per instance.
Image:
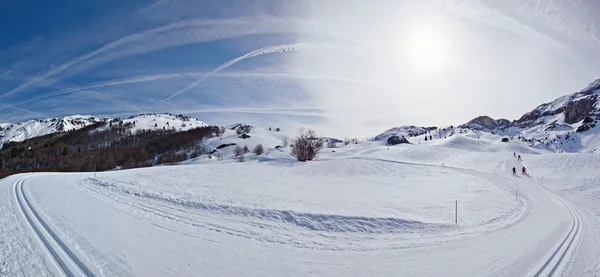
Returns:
(345, 68)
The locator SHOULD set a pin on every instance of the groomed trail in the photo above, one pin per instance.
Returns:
(341, 216)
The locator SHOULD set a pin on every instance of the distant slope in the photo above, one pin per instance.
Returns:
(38, 127)
(567, 124)
(406, 131)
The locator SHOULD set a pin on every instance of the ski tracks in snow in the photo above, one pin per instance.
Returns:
(65, 262)
(557, 260)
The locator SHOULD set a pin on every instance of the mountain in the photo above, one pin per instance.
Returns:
(486, 123)
(40, 127)
(406, 131)
(577, 112)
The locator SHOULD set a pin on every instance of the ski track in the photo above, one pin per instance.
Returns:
(305, 227)
(67, 263)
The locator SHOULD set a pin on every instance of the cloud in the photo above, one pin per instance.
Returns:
(274, 49)
(172, 35)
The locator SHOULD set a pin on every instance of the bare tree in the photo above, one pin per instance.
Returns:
(246, 149)
(286, 142)
(331, 144)
(237, 151)
(258, 149)
(306, 145)
(241, 158)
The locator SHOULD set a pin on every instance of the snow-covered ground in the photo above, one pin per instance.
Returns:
(363, 209)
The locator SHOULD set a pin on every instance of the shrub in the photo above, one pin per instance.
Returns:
(331, 144)
(306, 147)
(237, 151)
(258, 149)
(246, 149)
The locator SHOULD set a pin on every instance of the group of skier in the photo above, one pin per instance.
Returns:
(523, 169)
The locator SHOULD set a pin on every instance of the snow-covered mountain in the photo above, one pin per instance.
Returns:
(578, 112)
(40, 127)
(569, 123)
(406, 131)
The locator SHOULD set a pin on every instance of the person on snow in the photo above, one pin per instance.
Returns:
(514, 154)
(519, 157)
(524, 171)
(514, 171)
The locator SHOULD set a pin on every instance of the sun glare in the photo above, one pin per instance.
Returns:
(427, 49)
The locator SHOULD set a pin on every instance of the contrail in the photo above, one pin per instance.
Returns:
(149, 78)
(262, 51)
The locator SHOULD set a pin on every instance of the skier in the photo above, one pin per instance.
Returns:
(514, 171)
(524, 171)
(519, 157)
(514, 154)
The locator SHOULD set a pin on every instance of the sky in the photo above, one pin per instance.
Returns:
(345, 68)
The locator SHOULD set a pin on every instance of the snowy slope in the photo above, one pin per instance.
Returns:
(163, 121)
(575, 115)
(365, 209)
(406, 131)
(33, 128)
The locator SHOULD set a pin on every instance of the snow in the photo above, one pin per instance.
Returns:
(160, 121)
(360, 209)
(34, 128)
(406, 131)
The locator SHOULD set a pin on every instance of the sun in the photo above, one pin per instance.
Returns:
(427, 49)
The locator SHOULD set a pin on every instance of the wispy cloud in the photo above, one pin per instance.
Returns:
(172, 35)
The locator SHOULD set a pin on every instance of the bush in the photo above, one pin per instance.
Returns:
(246, 149)
(306, 147)
(241, 158)
(331, 144)
(237, 151)
(258, 149)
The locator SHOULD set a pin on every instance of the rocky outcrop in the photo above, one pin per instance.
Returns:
(486, 123)
(578, 110)
(562, 112)
(393, 140)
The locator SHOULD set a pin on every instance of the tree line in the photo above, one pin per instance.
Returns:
(109, 145)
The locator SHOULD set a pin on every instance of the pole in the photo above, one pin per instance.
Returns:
(456, 212)
(94, 170)
(516, 194)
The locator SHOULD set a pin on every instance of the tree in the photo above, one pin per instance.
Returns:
(277, 129)
(331, 144)
(246, 149)
(241, 158)
(237, 151)
(269, 128)
(258, 149)
(239, 131)
(425, 137)
(346, 141)
(306, 146)
(430, 137)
